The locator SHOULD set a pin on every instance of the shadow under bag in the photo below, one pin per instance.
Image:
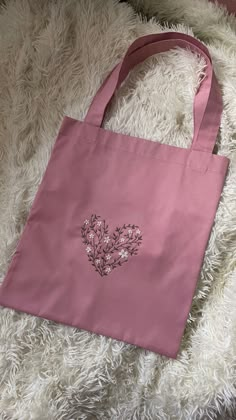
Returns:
(116, 235)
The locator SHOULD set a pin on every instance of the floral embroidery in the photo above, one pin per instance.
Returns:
(123, 254)
(107, 251)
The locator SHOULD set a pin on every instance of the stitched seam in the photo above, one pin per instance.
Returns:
(150, 156)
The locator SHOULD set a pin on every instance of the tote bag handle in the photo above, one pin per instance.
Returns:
(207, 103)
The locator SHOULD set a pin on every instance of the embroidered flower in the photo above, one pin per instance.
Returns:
(91, 235)
(107, 239)
(138, 232)
(122, 239)
(107, 269)
(108, 257)
(99, 223)
(88, 249)
(130, 231)
(97, 261)
(86, 222)
(124, 254)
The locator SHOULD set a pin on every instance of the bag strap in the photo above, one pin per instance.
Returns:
(207, 103)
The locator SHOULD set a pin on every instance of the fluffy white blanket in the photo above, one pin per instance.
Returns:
(53, 57)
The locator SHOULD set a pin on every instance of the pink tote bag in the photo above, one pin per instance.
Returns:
(117, 232)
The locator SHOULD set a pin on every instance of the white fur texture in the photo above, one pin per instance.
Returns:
(53, 57)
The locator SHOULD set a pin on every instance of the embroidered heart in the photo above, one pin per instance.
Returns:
(107, 251)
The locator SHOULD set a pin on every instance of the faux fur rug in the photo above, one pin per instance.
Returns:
(53, 57)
